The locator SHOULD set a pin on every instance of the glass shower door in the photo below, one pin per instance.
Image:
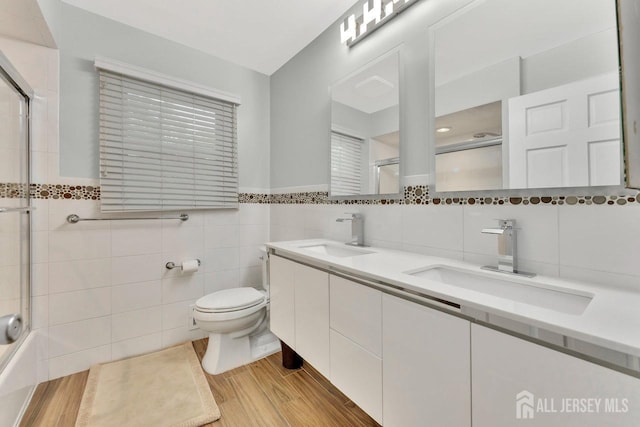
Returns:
(14, 217)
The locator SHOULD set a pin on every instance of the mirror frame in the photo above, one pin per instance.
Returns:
(398, 50)
(621, 189)
(628, 38)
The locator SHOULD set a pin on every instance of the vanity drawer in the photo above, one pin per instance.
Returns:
(357, 373)
(356, 313)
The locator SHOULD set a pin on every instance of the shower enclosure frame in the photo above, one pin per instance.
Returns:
(15, 79)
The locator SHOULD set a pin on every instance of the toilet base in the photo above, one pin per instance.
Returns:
(225, 352)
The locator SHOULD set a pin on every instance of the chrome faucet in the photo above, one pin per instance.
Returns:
(507, 248)
(357, 228)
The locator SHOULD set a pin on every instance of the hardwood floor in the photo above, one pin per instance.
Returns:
(262, 393)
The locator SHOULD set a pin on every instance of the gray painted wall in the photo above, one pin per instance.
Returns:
(83, 35)
(300, 102)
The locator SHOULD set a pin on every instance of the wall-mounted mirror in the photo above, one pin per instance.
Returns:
(629, 34)
(365, 131)
(527, 95)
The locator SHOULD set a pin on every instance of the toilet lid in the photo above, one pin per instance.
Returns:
(230, 300)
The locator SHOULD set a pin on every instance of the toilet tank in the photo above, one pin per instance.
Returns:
(265, 268)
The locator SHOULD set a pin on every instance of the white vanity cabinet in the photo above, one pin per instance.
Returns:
(356, 343)
(426, 366)
(300, 309)
(408, 364)
(512, 377)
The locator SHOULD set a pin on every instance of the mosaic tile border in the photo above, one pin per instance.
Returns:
(413, 195)
(49, 191)
(540, 200)
(419, 195)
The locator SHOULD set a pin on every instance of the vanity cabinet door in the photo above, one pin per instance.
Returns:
(282, 299)
(300, 309)
(356, 343)
(312, 316)
(426, 366)
(516, 378)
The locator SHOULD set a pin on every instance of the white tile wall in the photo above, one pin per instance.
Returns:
(105, 292)
(77, 336)
(138, 268)
(433, 226)
(69, 276)
(174, 336)
(136, 346)
(79, 305)
(136, 296)
(78, 361)
(589, 243)
(221, 280)
(602, 238)
(182, 288)
(133, 324)
(176, 315)
(217, 259)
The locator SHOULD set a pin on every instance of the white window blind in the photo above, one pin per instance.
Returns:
(346, 164)
(163, 148)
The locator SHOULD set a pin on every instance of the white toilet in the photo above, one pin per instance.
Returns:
(236, 320)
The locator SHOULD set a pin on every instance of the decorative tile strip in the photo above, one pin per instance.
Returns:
(13, 190)
(313, 198)
(416, 195)
(540, 200)
(59, 191)
(49, 191)
(254, 198)
(413, 195)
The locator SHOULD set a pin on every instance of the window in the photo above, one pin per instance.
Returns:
(346, 163)
(163, 147)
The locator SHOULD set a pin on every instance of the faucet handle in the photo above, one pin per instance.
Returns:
(506, 223)
(354, 216)
(493, 230)
(503, 224)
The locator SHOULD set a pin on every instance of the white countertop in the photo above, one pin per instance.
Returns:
(611, 320)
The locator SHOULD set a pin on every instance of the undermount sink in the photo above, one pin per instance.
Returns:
(554, 298)
(341, 251)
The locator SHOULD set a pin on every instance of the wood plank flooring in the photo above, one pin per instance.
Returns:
(262, 393)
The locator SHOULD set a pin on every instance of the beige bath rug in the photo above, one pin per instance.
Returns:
(165, 388)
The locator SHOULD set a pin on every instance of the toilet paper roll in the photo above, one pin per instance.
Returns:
(190, 266)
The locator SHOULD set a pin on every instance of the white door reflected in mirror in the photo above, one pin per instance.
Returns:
(527, 95)
(365, 131)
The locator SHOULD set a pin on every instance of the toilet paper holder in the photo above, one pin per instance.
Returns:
(171, 265)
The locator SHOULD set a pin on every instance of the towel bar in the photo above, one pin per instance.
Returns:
(73, 218)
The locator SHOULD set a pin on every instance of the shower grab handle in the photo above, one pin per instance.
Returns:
(10, 328)
(18, 209)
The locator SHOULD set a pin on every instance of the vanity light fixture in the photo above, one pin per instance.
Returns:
(375, 13)
(444, 129)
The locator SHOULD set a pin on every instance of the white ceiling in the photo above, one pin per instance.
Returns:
(258, 34)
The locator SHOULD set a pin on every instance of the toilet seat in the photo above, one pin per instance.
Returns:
(230, 300)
